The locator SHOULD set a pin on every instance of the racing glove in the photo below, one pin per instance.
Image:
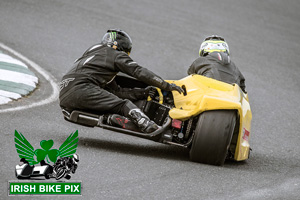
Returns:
(150, 91)
(173, 86)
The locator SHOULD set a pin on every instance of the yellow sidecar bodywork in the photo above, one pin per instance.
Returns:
(204, 94)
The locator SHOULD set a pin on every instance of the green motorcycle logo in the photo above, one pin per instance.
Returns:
(25, 149)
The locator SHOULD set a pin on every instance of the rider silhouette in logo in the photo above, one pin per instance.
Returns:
(64, 166)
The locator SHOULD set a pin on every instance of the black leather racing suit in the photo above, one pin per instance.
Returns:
(84, 87)
(217, 65)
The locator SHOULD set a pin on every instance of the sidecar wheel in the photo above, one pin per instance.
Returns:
(213, 136)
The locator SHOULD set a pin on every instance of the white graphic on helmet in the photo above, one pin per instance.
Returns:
(211, 46)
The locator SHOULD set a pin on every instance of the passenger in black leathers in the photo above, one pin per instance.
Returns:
(90, 85)
(214, 62)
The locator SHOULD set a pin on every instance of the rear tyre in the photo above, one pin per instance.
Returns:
(212, 137)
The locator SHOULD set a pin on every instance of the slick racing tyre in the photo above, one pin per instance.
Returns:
(213, 136)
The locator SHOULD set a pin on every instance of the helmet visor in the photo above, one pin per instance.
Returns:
(214, 46)
(106, 38)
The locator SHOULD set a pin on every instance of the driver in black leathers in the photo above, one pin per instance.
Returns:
(90, 85)
(214, 62)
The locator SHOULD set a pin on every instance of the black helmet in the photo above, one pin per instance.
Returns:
(119, 38)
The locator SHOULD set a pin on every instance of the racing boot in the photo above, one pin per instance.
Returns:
(142, 121)
(121, 122)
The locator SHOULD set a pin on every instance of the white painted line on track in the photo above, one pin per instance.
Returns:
(55, 91)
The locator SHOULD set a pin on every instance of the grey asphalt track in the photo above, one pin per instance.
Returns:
(263, 37)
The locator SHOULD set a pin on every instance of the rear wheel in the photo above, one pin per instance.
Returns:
(213, 136)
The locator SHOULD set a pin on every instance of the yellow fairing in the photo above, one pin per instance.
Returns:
(205, 94)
